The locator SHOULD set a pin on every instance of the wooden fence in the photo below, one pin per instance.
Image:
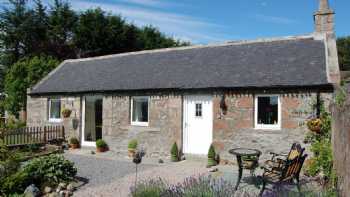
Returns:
(32, 135)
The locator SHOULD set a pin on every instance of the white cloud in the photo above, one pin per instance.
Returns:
(275, 19)
(176, 25)
(151, 3)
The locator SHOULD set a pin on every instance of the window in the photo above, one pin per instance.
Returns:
(267, 112)
(139, 111)
(198, 109)
(54, 110)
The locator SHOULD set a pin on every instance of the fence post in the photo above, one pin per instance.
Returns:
(63, 134)
(45, 137)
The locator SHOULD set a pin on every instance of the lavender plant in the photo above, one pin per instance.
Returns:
(191, 187)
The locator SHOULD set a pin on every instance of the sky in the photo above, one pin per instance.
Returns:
(210, 21)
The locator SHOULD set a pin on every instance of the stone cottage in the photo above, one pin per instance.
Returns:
(254, 94)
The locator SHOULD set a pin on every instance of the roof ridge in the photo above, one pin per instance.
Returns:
(227, 43)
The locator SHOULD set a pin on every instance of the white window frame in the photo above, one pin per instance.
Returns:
(279, 110)
(136, 123)
(54, 120)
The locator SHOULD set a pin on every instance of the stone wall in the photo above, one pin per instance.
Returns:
(233, 129)
(37, 114)
(236, 128)
(165, 125)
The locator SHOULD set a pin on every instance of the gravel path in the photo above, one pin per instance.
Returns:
(100, 171)
(110, 177)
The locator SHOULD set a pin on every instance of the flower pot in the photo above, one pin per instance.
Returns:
(101, 149)
(314, 125)
(66, 113)
(131, 153)
(74, 146)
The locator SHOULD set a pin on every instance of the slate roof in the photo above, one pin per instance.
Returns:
(278, 63)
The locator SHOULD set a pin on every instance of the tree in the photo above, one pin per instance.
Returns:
(22, 75)
(13, 25)
(61, 22)
(343, 45)
(99, 34)
(151, 38)
(30, 30)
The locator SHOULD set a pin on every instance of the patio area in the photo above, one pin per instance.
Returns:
(105, 174)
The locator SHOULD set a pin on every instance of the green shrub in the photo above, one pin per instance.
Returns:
(51, 170)
(9, 161)
(211, 152)
(132, 145)
(174, 152)
(15, 183)
(211, 156)
(73, 140)
(322, 160)
(101, 144)
(14, 124)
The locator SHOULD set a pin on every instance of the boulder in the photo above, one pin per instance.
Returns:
(53, 194)
(31, 191)
(70, 187)
(47, 189)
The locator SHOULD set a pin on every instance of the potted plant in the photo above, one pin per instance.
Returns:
(74, 143)
(101, 146)
(132, 146)
(174, 153)
(66, 113)
(211, 157)
(314, 125)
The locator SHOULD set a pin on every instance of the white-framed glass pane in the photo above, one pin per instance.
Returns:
(55, 109)
(199, 109)
(140, 109)
(267, 110)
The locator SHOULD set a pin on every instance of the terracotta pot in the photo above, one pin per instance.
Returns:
(131, 153)
(101, 149)
(74, 146)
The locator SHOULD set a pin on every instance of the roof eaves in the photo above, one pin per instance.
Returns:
(48, 76)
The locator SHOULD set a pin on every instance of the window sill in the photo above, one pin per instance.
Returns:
(140, 124)
(55, 120)
(263, 127)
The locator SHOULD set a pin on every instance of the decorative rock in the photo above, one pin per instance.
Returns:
(69, 193)
(47, 190)
(53, 194)
(70, 187)
(183, 157)
(92, 152)
(160, 161)
(31, 191)
(62, 185)
(62, 194)
(65, 146)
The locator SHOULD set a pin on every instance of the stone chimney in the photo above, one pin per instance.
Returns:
(324, 27)
(324, 18)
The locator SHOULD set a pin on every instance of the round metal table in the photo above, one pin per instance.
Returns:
(245, 152)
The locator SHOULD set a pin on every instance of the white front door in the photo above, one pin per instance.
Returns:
(198, 124)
